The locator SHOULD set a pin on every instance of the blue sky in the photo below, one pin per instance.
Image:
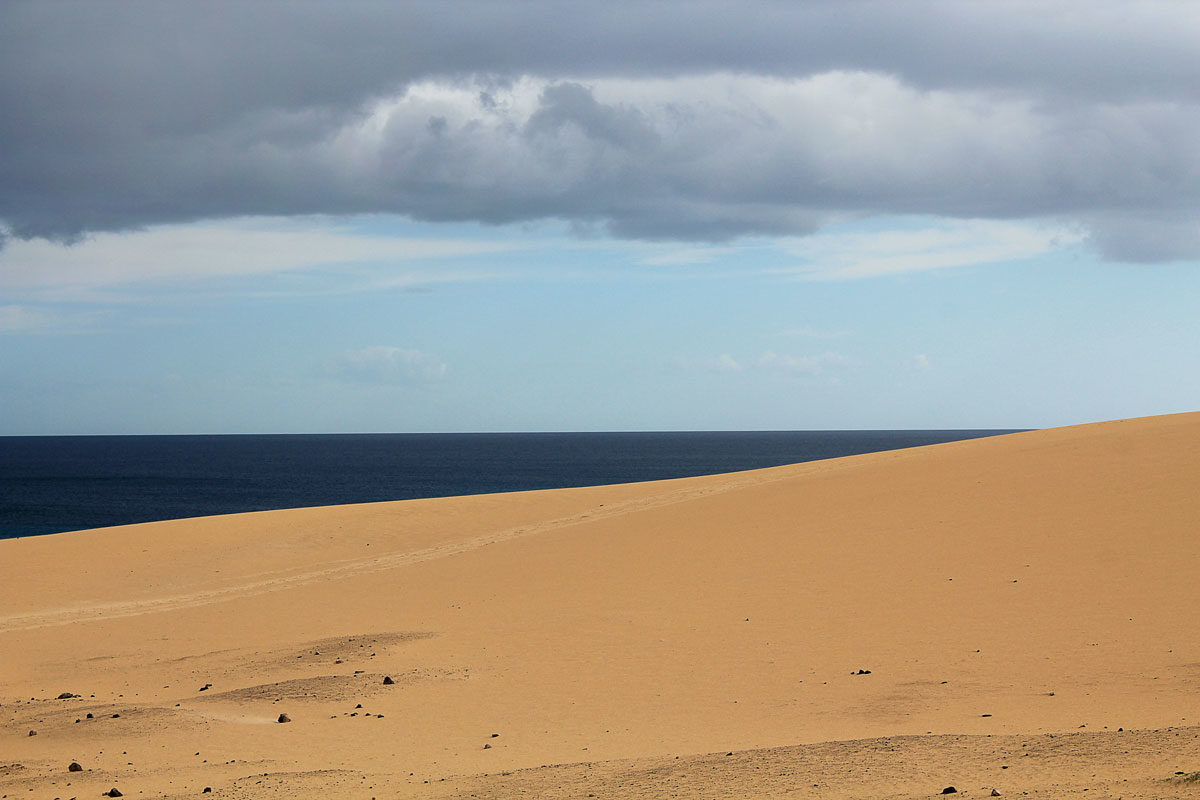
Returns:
(706, 239)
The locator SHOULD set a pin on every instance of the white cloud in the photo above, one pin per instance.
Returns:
(387, 365)
(921, 361)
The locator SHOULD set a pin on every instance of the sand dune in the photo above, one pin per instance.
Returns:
(1017, 613)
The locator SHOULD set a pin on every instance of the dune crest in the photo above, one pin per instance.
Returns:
(1014, 613)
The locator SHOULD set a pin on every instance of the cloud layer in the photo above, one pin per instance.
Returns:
(759, 118)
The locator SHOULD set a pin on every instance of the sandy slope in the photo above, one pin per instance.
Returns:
(1026, 605)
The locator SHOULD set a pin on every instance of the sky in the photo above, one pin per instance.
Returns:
(520, 215)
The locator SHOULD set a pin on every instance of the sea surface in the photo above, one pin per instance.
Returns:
(50, 484)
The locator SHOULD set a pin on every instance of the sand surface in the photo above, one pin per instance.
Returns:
(1024, 610)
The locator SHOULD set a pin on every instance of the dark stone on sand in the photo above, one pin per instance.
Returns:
(359, 705)
(207, 789)
(387, 680)
(89, 715)
(75, 766)
(113, 792)
(949, 790)
(115, 716)
(994, 792)
(284, 718)
(487, 747)
(495, 735)
(33, 733)
(67, 696)
(206, 687)
(862, 672)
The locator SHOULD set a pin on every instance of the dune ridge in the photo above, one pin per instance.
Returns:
(1014, 613)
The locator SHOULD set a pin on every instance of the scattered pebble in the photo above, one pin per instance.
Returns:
(33, 733)
(862, 672)
(949, 790)
(207, 789)
(114, 792)
(206, 687)
(75, 766)
(89, 715)
(387, 680)
(67, 696)
(284, 718)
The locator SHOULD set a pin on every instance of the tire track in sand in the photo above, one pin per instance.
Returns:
(359, 566)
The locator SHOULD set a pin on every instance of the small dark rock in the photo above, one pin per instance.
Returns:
(949, 790)
(114, 716)
(89, 715)
(33, 733)
(113, 792)
(284, 718)
(387, 680)
(487, 747)
(359, 705)
(862, 672)
(207, 789)
(206, 687)
(67, 696)
(994, 792)
(75, 766)
(495, 735)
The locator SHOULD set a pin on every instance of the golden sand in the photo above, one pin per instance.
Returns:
(1017, 613)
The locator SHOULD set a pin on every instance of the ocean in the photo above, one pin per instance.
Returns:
(51, 484)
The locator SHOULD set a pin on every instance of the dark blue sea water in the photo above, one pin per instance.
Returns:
(50, 484)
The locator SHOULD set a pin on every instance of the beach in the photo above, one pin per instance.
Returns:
(1014, 614)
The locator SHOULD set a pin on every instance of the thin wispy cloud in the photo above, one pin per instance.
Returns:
(234, 249)
(943, 245)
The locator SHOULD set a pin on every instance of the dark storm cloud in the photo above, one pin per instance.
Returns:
(651, 119)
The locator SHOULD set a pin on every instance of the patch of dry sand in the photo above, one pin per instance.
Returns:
(1026, 601)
